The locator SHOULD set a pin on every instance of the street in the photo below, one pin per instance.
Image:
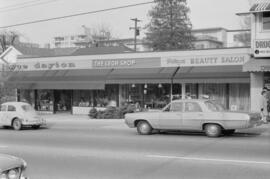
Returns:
(82, 148)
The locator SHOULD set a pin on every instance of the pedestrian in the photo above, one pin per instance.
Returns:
(264, 103)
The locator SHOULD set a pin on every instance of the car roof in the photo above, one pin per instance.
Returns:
(15, 103)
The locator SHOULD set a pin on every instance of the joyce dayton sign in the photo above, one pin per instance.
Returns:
(151, 62)
(208, 60)
(262, 48)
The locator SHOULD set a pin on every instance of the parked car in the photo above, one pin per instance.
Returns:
(18, 115)
(12, 167)
(193, 114)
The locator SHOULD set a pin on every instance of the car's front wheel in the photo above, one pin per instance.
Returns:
(212, 130)
(144, 128)
(17, 124)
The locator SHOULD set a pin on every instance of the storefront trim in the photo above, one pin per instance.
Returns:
(257, 65)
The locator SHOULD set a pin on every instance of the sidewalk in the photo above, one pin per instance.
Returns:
(71, 118)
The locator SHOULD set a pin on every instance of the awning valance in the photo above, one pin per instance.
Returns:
(257, 65)
(260, 7)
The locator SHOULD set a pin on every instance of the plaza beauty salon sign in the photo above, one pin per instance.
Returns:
(210, 60)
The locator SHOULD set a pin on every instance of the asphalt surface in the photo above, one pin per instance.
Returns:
(75, 147)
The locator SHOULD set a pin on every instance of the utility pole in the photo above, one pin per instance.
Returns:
(136, 32)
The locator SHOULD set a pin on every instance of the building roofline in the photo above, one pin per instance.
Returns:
(211, 28)
(139, 52)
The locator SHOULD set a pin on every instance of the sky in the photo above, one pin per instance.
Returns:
(203, 14)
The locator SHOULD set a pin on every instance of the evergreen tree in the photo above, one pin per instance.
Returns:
(170, 26)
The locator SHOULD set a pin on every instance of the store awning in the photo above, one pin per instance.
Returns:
(257, 65)
(260, 7)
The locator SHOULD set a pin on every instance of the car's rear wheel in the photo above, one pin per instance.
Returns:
(17, 124)
(229, 132)
(36, 127)
(212, 130)
(144, 128)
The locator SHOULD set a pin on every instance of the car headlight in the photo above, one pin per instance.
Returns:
(3, 176)
(13, 174)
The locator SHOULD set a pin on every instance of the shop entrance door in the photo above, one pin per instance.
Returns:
(62, 100)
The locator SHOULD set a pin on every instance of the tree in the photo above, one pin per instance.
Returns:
(8, 38)
(244, 37)
(170, 26)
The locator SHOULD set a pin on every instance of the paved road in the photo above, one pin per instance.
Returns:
(105, 149)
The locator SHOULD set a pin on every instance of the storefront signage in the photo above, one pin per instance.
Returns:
(237, 59)
(55, 65)
(265, 68)
(114, 63)
(127, 63)
(262, 48)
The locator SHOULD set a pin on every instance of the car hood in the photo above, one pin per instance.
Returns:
(8, 162)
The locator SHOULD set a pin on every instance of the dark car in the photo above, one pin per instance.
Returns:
(12, 167)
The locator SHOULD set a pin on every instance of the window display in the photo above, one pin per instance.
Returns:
(45, 100)
(27, 96)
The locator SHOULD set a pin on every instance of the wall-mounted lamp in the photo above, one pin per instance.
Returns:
(145, 85)
(133, 85)
(159, 85)
(145, 91)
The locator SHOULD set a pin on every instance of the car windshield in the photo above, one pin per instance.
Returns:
(28, 108)
(213, 106)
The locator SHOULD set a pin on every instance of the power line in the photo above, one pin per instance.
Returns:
(74, 15)
(19, 4)
(29, 5)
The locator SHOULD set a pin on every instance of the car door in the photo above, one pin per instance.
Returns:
(3, 115)
(11, 113)
(171, 116)
(192, 116)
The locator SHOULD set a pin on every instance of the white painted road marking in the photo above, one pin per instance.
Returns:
(210, 159)
(3, 146)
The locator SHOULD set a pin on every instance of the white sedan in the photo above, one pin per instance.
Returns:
(18, 115)
(192, 114)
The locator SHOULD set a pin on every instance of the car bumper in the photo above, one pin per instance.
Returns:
(130, 123)
(34, 122)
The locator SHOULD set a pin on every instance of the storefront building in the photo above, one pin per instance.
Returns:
(75, 84)
(259, 65)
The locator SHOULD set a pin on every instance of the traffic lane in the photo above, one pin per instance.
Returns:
(69, 163)
(238, 146)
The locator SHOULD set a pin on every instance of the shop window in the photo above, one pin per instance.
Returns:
(83, 98)
(191, 91)
(27, 96)
(45, 100)
(217, 92)
(157, 96)
(147, 95)
(266, 20)
(267, 80)
(239, 97)
(97, 98)
(177, 91)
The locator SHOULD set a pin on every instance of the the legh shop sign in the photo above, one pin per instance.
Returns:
(262, 48)
(151, 62)
(209, 60)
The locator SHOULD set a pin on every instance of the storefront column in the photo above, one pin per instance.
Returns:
(120, 95)
(256, 85)
(183, 86)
